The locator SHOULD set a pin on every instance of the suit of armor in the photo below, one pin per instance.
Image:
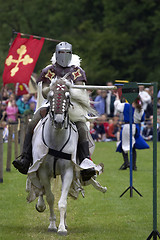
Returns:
(76, 76)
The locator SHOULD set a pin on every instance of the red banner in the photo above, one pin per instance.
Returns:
(21, 88)
(21, 59)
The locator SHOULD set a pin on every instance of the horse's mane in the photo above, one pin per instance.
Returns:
(81, 96)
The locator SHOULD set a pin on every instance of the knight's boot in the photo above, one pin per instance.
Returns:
(89, 168)
(134, 159)
(23, 162)
(125, 165)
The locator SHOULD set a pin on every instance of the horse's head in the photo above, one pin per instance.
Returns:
(59, 99)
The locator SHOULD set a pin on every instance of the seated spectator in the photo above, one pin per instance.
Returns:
(105, 122)
(3, 124)
(10, 90)
(23, 103)
(99, 127)
(113, 130)
(93, 132)
(5, 94)
(29, 112)
(9, 100)
(147, 132)
(33, 98)
(12, 111)
(3, 116)
(3, 121)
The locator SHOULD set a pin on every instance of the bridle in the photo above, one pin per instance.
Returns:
(59, 98)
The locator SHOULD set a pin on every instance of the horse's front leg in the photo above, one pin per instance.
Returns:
(50, 199)
(62, 204)
(45, 180)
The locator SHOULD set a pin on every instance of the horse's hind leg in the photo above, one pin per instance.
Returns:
(50, 199)
(62, 204)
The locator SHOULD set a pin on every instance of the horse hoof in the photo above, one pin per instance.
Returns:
(40, 210)
(62, 233)
(52, 229)
(104, 189)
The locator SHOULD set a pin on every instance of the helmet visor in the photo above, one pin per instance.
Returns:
(63, 57)
(63, 54)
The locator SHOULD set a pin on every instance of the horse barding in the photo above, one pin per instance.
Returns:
(54, 150)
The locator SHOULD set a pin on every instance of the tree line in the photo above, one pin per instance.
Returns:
(116, 39)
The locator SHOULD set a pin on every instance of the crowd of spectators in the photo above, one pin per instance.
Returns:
(13, 107)
(105, 128)
(108, 125)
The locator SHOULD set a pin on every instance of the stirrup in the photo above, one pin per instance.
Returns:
(99, 168)
(86, 174)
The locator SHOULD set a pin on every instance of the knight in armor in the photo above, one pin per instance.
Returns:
(62, 64)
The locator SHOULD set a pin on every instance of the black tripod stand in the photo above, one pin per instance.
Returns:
(154, 234)
(131, 175)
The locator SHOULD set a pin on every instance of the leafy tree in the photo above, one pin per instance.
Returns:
(116, 39)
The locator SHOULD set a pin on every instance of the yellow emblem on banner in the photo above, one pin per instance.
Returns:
(76, 74)
(21, 87)
(25, 60)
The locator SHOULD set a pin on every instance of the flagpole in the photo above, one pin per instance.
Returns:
(39, 37)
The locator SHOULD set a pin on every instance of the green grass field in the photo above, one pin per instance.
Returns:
(97, 216)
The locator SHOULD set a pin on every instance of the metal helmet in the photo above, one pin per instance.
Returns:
(63, 54)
